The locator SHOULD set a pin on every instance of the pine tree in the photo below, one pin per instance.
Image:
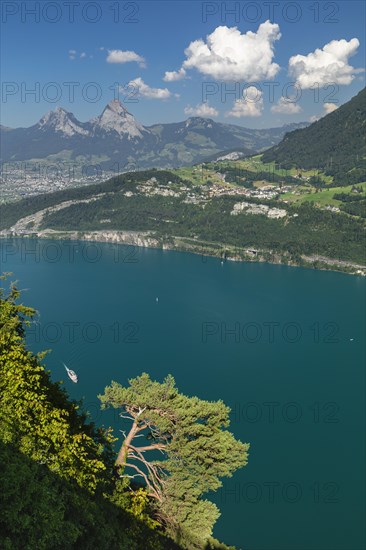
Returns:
(185, 451)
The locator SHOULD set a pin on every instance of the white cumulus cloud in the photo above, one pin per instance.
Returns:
(313, 118)
(202, 109)
(286, 107)
(327, 65)
(227, 54)
(171, 76)
(329, 107)
(250, 105)
(119, 56)
(144, 90)
(72, 54)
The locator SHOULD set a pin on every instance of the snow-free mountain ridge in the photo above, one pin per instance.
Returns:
(116, 136)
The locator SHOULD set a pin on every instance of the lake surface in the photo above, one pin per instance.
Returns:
(283, 347)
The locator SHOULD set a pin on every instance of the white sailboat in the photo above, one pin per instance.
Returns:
(71, 374)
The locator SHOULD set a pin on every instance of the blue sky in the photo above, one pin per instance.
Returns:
(126, 48)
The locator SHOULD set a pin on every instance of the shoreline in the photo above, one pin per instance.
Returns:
(148, 239)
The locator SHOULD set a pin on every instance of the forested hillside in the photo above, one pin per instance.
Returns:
(121, 204)
(336, 144)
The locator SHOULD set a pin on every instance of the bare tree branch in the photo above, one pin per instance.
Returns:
(154, 493)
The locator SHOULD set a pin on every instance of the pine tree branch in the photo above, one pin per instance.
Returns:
(151, 488)
(153, 447)
(155, 479)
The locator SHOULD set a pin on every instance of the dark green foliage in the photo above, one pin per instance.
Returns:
(334, 144)
(316, 181)
(41, 511)
(312, 231)
(240, 176)
(10, 213)
(354, 203)
(349, 197)
(356, 208)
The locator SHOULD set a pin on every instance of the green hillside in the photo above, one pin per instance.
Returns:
(334, 144)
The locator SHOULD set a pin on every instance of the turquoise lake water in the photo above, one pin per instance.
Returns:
(283, 347)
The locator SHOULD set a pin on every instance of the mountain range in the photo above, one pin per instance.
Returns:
(115, 136)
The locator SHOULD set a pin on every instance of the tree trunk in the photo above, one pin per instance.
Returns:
(122, 455)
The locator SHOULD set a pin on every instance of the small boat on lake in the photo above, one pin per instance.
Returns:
(71, 374)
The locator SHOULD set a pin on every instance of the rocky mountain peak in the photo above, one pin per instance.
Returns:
(116, 118)
(63, 122)
(116, 106)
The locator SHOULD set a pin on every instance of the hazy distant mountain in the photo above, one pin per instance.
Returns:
(116, 136)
